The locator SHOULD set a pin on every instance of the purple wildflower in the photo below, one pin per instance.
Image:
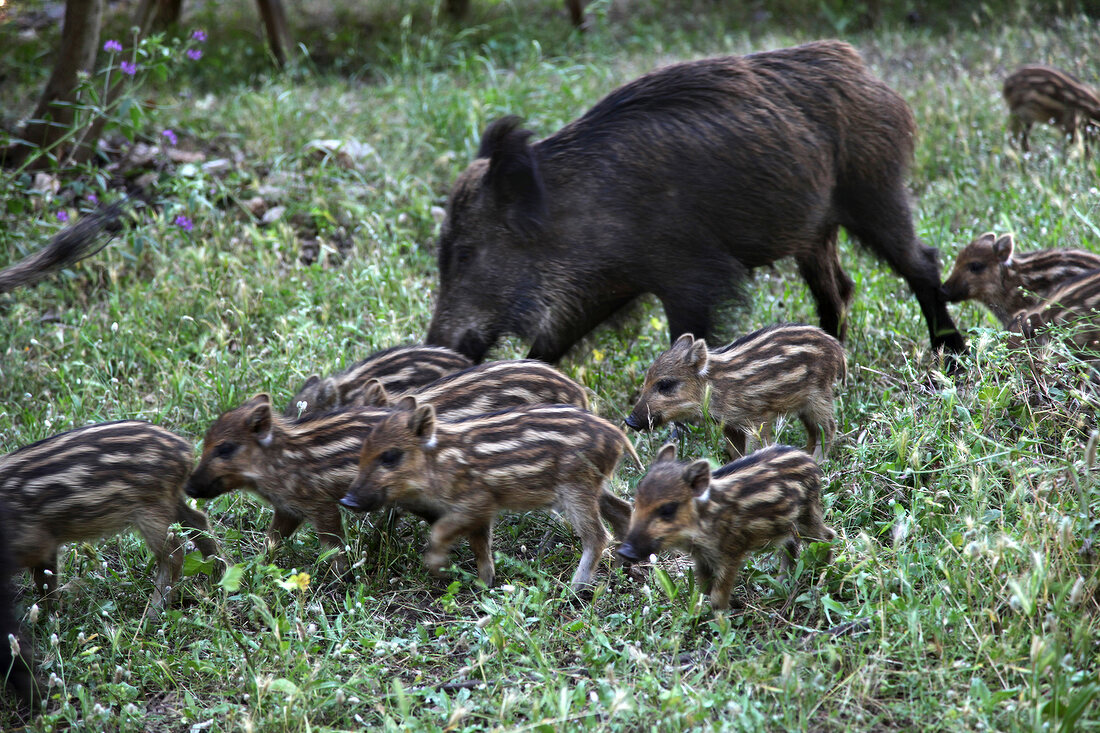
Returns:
(194, 54)
(184, 223)
(93, 199)
(112, 46)
(128, 67)
(171, 137)
(62, 216)
(199, 35)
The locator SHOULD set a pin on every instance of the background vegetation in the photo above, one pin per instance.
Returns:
(962, 589)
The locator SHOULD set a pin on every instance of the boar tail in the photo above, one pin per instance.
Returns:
(633, 453)
(71, 244)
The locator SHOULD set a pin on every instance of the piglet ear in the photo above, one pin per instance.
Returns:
(422, 423)
(697, 476)
(328, 396)
(986, 239)
(684, 342)
(375, 395)
(667, 453)
(514, 176)
(314, 379)
(407, 403)
(698, 357)
(1002, 248)
(258, 419)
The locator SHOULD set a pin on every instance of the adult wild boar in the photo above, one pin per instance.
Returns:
(679, 184)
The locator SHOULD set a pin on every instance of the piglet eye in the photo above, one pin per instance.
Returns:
(666, 386)
(225, 450)
(668, 510)
(391, 457)
(975, 267)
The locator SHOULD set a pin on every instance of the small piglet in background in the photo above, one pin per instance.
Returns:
(767, 499)
(399, 370)
(16, 664)
(778, 370)
(468, 471)
(301, 467)
(990, 271)
(95, 481)
(489, 387)
(1043, 94)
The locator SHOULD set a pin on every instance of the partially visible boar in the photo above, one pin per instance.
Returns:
(1072, 310)
(398, 369)
(17, 670)
(93, 482)
(679, 184)
(767, 499)
(301, 467)
(494, 386)
(466, 472)
(778, 370)
(1006, 282)
(73, 243)
(1046, 95)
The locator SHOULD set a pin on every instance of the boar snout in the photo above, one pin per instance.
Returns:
(952, 293)
(628, 553)
(360, 502)
(633, 423)
(199, 488)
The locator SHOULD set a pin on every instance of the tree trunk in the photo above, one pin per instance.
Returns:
(278, 32)
(153, 16)
(53, 118)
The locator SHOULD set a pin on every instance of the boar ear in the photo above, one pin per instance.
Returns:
(986, 238)
(684, 342)
(375, 395)
(1002, 248)
(698, 357)
(314, 379)
(407, 403)
(697, 476)
(326, 394)
(667, 453)
(422, 423)
(259, 419)
(514, 176)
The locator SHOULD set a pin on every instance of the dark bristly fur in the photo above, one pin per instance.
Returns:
(769, 498)
(398, 369)
(1043, 94)
(494, 386)
(95, 481)
(1007, 282)
(18, 672)
(73, 243)
(679, 184)
(778, 370)
(534, 457)
(301, 467)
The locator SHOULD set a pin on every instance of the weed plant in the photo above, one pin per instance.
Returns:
(962, 590)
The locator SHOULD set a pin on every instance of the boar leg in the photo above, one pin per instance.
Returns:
(329, 527)
(198, 528)
(166, 548)
(584, 516)
(551, 347)
(481, 542)
(283, 524)
(616, 511)
(879, 216)
(445, 532)
(726, 578)
(735, 441)
(829, 284)
(45, 578)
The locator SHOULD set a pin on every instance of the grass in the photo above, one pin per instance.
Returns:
(962, 589)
